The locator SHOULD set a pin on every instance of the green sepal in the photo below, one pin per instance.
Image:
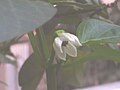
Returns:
(59, 32)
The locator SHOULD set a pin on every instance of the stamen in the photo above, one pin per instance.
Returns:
(64, 43)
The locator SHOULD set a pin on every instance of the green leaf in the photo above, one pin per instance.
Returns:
(33, 68)
(93, 1)
(31, 73)
(102, 52)
(20, 16)
(77, 5)
(51, 1)
(97, 30)
(104, 14)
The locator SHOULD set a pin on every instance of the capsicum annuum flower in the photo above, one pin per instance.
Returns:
(66, 43)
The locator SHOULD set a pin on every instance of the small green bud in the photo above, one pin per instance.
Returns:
(59, 32)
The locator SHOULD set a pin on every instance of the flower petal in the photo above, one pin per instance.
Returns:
(61, 55)
(70, 37)
(58, 44)
(76, 40)
(70, 49)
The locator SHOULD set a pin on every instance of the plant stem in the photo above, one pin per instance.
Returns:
(51, 73)
(50, 70)
(38, 53)
(34, 45)
(42, 43)
(51, 78)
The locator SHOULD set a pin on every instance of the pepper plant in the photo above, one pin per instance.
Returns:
(90, 39)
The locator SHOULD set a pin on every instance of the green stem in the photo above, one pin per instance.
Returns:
(50, 62)
(51, 73)
(50, 70)
(38, 53)
(51, 78)
(34, 45)
(40, 47)
(42, 42)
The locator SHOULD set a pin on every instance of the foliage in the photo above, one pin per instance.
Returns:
(97, 30)
(91, 23)
(94, 31)
(21, 16)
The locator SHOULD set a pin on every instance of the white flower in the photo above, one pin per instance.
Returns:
(66, 43)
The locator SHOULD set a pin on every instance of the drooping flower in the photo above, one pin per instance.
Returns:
(66, 43)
